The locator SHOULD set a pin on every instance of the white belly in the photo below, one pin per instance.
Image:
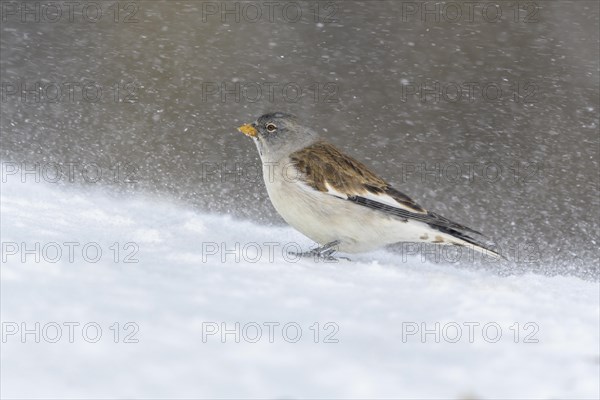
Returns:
(325, 218)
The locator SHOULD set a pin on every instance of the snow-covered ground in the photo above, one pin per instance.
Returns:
(361, 322)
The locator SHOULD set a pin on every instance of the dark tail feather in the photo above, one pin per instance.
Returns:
(484, 246)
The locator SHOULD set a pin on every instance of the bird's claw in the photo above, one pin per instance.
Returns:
(323, 253)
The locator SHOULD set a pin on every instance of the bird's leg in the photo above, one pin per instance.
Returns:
(323, 253)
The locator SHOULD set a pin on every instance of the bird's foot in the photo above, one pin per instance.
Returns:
(323, 253)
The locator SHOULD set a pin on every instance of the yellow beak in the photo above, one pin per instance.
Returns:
(248, 130)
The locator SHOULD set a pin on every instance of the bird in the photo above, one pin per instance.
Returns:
(339, 203)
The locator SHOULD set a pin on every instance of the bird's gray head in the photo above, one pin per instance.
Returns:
(277, 135)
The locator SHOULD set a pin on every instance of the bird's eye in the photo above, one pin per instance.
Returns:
(271, 128)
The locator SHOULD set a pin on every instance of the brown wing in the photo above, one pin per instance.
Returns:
(321, 164)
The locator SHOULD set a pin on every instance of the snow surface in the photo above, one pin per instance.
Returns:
(174, 291)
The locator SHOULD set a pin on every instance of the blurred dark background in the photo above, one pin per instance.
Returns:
(177, 78)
